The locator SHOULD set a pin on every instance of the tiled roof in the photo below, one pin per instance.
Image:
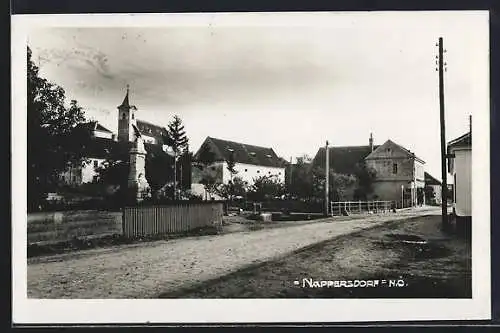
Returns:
(93, 126)
(462, 141)
(403, 149)
(152, 130)
(429, 180)
(243, 153)
(109, 149)
(408, 151)
(342, 159)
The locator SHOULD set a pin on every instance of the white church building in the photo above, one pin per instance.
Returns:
(105, 144)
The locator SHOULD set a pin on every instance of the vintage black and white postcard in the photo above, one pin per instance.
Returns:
(251, 167)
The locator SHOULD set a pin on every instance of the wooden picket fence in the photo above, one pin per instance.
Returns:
(174, 218)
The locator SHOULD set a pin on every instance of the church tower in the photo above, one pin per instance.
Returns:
(126, 118)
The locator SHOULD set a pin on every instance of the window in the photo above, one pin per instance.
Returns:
(394, 168)
(132, 116)
(246, 170)
(96, 163)
(269, 172)
(279, 173)
(95, 179)
(124, 116)
(258, 171)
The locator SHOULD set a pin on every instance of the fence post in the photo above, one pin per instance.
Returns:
(123, 221)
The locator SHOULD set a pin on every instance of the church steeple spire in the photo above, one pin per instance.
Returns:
(125, 103)
(126, 119)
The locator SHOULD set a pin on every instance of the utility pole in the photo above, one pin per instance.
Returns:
(444, 156)
(327, 180)
(290, 180)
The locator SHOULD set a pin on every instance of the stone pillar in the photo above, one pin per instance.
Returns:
(137, 182)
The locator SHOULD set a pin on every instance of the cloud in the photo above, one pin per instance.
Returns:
(290, 87)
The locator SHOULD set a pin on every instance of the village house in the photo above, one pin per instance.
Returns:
(432, 186)
(398, 172)
(251, 162)
(105, 145)
(460, 167)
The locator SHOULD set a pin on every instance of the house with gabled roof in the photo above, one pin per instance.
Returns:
(398, 172)
(460, 167)
(251, 162)
(343, 159)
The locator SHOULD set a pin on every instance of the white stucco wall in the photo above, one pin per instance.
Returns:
(88, 171)
(148, 139)
(249, 172)
(105, 135)
(419, 171)
(462, 179)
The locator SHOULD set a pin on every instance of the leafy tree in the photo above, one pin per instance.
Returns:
(300, 184)
(113, 172)
(231, 165)
(185, 165)
(235, 187)
(265, 187)
(156, 166)
(204, 162)
(54, 141)
(365, 176)
(340, 185)
(210, 181)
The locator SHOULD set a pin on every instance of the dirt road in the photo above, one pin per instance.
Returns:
(415, 255)
(148, 270)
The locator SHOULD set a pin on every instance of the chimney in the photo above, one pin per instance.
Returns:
(371, 141)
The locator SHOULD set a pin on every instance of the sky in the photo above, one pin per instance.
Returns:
(279, 80)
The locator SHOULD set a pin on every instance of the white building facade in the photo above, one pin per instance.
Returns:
(460, 167)
(251, 163)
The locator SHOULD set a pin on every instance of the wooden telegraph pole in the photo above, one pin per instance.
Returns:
(444, 177)
(327, 178)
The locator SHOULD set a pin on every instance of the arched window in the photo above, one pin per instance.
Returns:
(132, 116)
(124, 116)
